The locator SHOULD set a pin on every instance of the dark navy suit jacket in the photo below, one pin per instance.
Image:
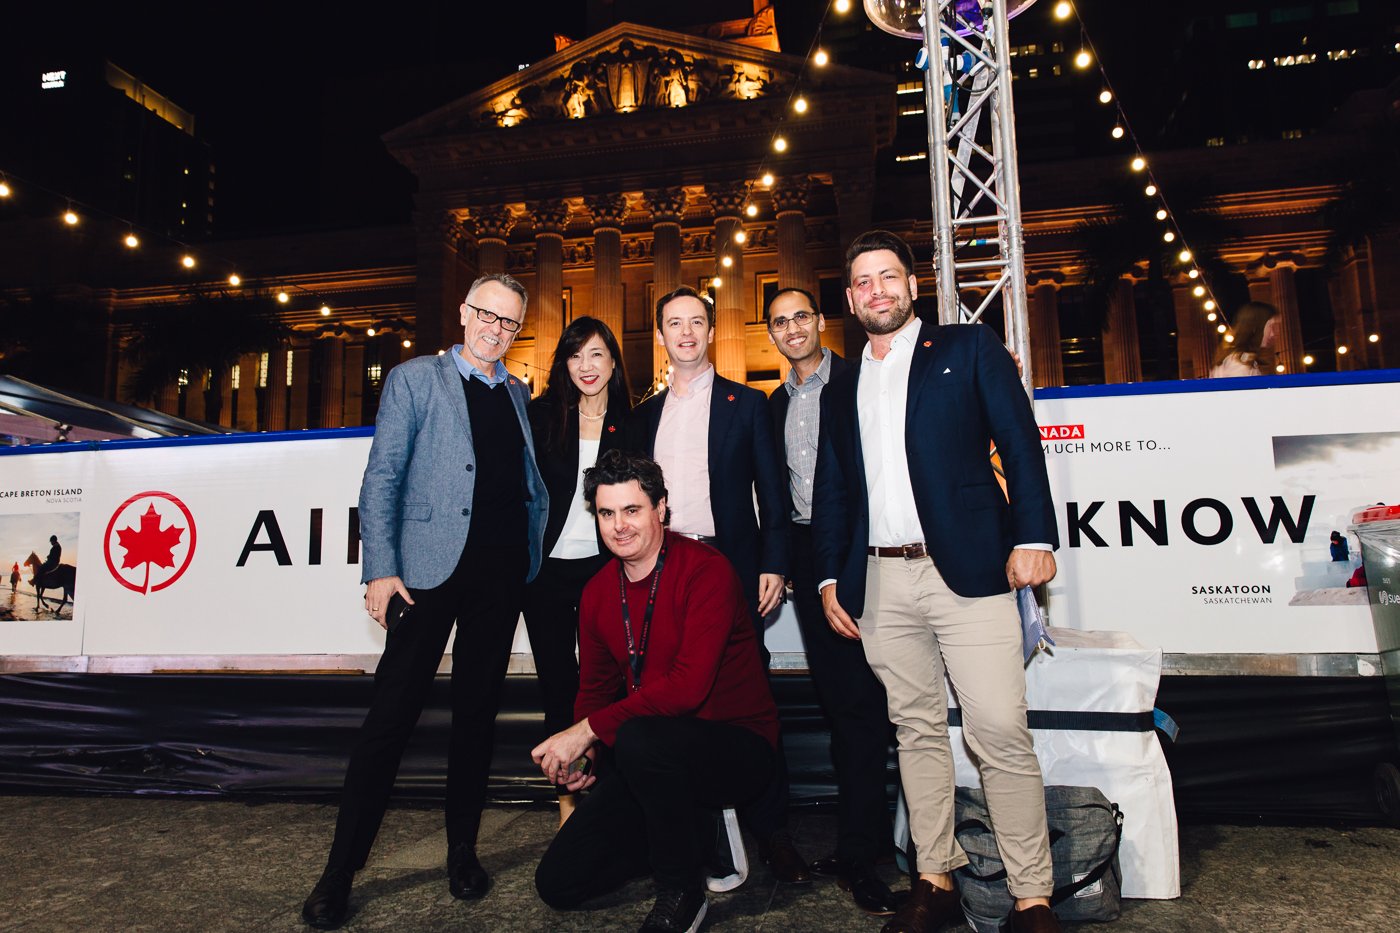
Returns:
(742, 464)
(964, 394)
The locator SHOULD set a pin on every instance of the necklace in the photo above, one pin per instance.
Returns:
(587, 417)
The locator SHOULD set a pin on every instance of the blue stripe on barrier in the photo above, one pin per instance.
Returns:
(196, 440)
(1293, 381)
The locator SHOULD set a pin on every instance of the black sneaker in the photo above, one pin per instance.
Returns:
(677, 910)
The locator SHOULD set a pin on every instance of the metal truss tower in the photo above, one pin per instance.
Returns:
(978, 248)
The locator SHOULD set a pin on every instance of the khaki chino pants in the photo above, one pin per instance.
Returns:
(914, 629)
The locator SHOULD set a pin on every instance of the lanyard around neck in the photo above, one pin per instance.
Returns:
(636, 651)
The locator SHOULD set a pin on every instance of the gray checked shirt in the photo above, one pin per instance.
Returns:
(800, 435)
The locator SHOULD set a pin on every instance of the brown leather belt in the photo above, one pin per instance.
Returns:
(711, 540)
(906, 551)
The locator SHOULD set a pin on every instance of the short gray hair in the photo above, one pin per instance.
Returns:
(501, 278)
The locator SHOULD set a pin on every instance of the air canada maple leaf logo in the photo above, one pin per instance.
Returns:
(149, 541)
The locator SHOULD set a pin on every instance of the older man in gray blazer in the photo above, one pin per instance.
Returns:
(452, 513)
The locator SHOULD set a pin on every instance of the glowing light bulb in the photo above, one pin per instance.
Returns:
(843, 6)
(1063, 10)
(1083, 59)
(1168, 236)
(1342, 350)
(1138, 163)
(1210, 304)
(283, 297)
(726, 262)
(131, 241)
(369, 331)
(235, 280)
(1199, 291)
(1374, 338)
(1193, 274)
(1184, 256)
(1220, 329)
(1211, 317)
(800, 105)
(1308, 360)
(716, 282)
(1150, 190)
(820, 59)
(1279, 368)
(407, 344)
(1161, 213)
(741, 237)
(187, 261)
(4, 190)
(1229, 338)
(780, 144)
(1105, 96)
(325, 311)
(751, 210)
(767, 179)
(70, 218)
(1117, 132)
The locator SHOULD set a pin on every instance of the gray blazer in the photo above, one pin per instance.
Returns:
(417, 491)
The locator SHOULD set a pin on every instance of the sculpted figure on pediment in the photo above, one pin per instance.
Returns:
(577, 99)
(673, 80)
(624, 73)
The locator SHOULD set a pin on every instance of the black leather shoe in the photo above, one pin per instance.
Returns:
(1037, 919)
(928, 908)
(328, 906)
(677, 910)
(870, 893)
(828, 866)
(466, 879)
(781, 855)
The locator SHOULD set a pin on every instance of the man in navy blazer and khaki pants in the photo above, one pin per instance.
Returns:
(903, 475)
(452, 512)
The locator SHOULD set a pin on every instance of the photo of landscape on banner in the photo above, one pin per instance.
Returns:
(30, 590)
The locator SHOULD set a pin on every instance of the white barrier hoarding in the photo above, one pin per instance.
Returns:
(1197, 516)
(1194, 516)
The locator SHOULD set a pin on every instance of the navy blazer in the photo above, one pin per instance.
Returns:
(778, 408)
(964, 394)
(559, 464)
(742, 464)
(415, 500)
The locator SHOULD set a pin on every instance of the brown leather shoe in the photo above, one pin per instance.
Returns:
(1037, 919)
(782, 857)
(928, 908)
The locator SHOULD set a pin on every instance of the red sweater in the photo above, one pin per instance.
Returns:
(702, 659)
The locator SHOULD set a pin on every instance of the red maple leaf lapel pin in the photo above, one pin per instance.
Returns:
(731, 398)
(928, 343)
(612, 428)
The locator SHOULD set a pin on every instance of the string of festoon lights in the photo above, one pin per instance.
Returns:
(76, 213)
(1172, 234)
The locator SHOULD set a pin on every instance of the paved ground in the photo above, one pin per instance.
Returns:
(132, 864)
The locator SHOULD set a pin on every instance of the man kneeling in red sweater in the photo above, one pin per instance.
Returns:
(671, 681)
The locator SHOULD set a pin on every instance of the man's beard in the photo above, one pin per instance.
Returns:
(891, 321)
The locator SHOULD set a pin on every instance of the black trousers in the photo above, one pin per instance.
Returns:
(854, 701)
(644, 812)
(483, 597)
(551, 618)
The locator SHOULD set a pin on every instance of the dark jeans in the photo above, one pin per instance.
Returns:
(854, 701)
(644, 812)
(483, 594)
(551, 618)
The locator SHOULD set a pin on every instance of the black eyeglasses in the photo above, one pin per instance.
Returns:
(491, 317)
(800, 319)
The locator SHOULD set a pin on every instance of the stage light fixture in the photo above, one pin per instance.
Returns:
(1161, 213)
(1342, 350)
(741, 237)
(131, 241)
(283, 298)
(1105, 96)
(780, 144)
(1168, 236)
(1308, 360)
(1184, 256)
(187, 261)
(1210, 304)
(1063, 10)
(235, 280)
(751, 210)
(726, 262)
(1117, 132)
(820, 59)
(1138, 163)
(800, 105)
(1199, 291)
(1083, 59)
(1150, 190)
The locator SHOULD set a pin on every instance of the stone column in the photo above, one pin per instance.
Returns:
(493, 226)
(333, 385)
(277, 389)
(728, 200)
(354, 384)
(1047, 366)
(790, 203)
(547, 304)
(667, 207)
(246, 418)
(1283, 295)
(608, 211)
(194, 395)
(300, 389)
(440, 272)
(1122, 357)
(1196, 338)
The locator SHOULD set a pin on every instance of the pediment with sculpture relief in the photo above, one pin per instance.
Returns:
(626, 69)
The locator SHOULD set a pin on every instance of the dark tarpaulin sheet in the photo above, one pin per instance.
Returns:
(1295, 748)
